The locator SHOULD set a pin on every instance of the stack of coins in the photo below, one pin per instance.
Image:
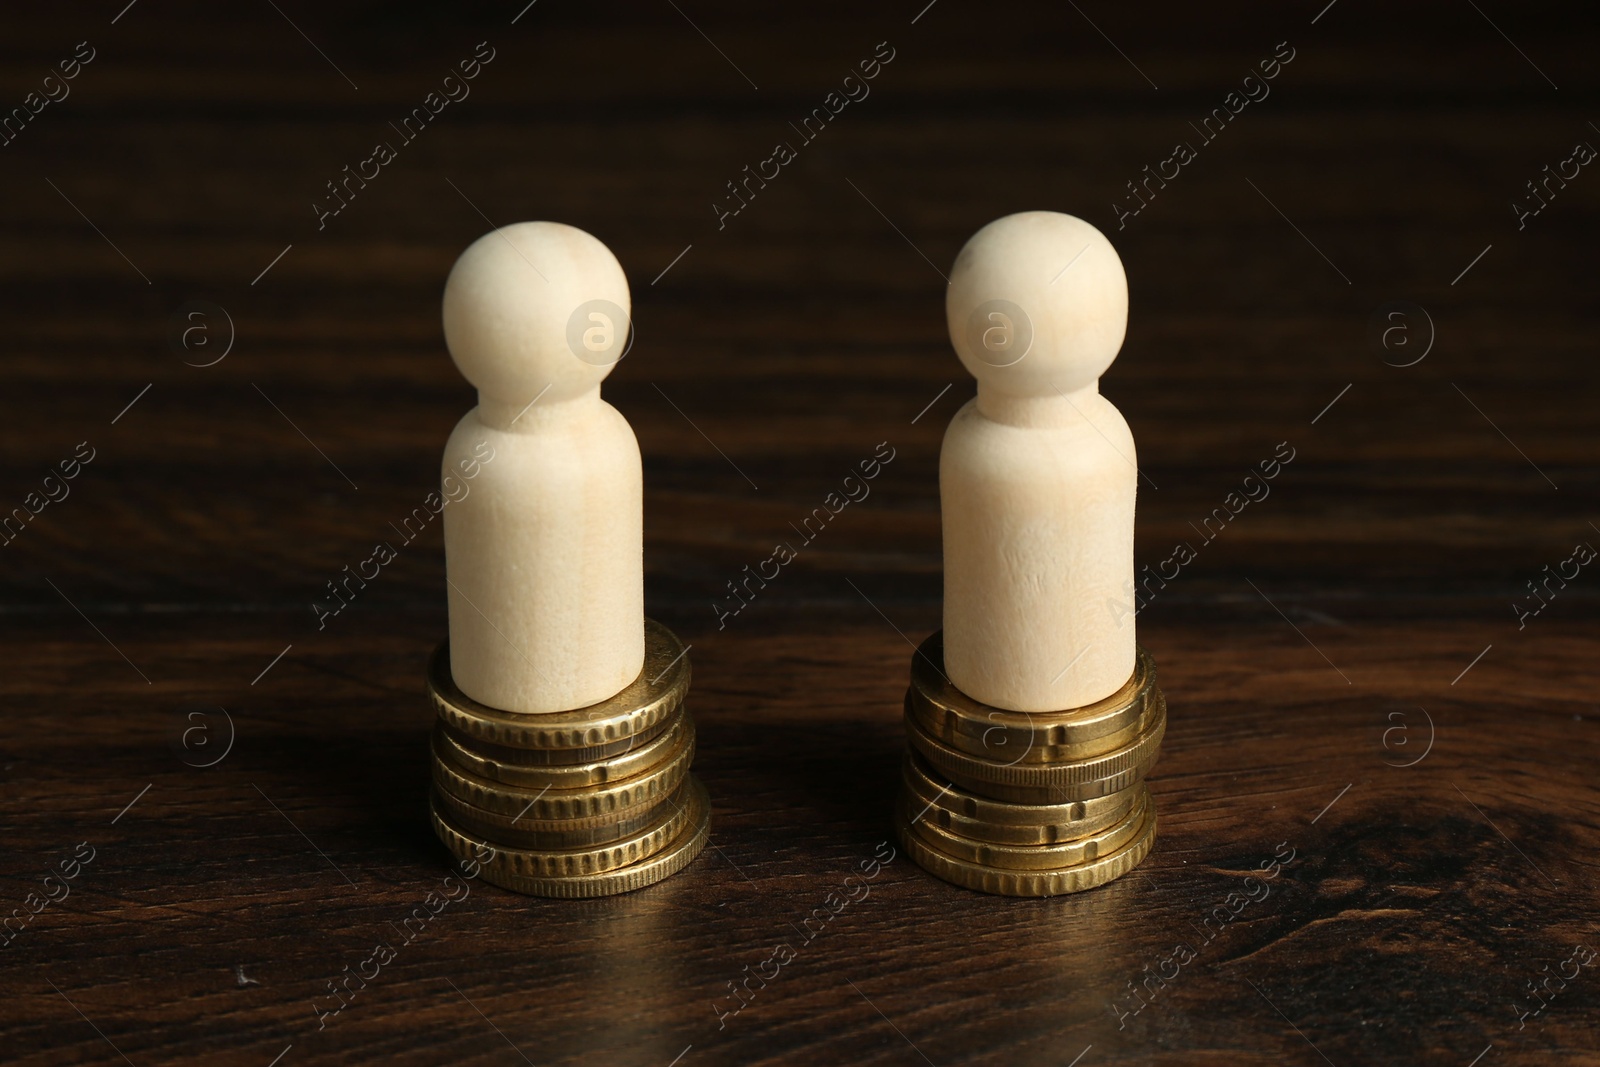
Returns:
(581, 803)
(1028, 804)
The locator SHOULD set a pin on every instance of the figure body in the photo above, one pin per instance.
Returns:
(1037, 474)
(545, 555)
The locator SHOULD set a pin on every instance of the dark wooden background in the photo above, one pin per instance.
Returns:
(1323, 638)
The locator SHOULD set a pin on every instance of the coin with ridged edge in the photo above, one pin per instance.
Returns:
(1058, 794)
(647, 701)
(1091, 772)
(1001, 743)
(501, 764)
(582, 862)
(672, 858)
(551, 833)
(563, 757)
(994, 733)
(1008, 883)
(982, 819)
(1005, 747)
(1029, 857)
(547, 804)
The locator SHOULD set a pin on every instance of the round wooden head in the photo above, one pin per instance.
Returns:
(1037, 304)
(536, 308)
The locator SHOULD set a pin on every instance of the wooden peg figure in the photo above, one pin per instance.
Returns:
(1037, 475)
(544, 553)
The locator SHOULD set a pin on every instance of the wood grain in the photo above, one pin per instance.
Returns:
(1325, 625)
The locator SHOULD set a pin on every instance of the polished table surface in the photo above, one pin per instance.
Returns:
(1366, 697)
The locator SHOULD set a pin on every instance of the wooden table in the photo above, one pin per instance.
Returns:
(1348, 676)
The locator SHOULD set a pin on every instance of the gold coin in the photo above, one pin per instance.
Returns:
(547, 804)
(1050, 857)
(563, 757)
(1057, 794)
(983, 730)
(1010, 883)
(584, 862)
(550, 833)
(502, 764)
(1001, 743)
(676, 855)
(982, 819)
(1089, 773)
(647, 702)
